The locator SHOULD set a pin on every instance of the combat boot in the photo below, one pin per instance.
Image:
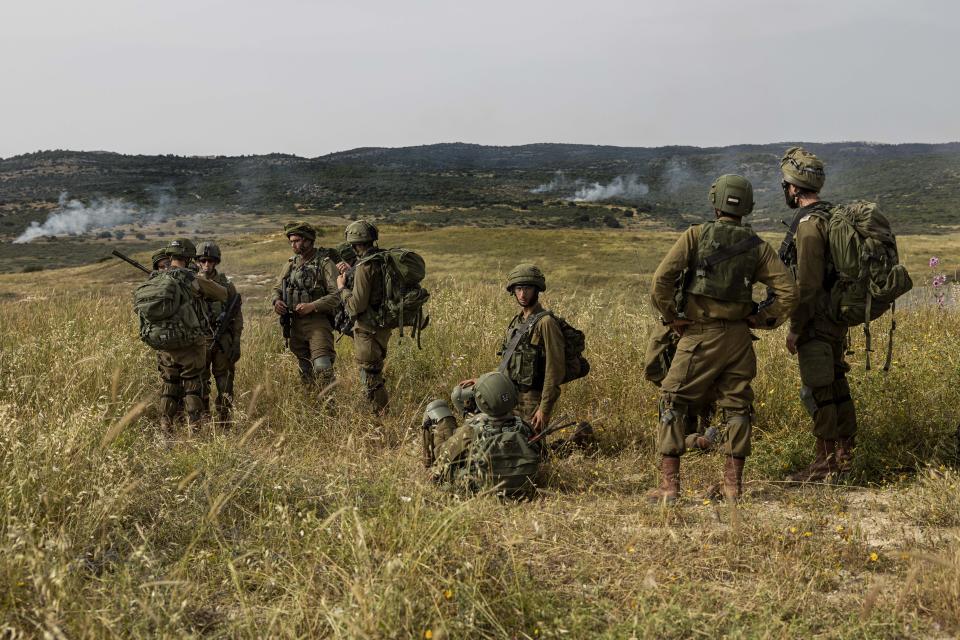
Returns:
(733, 478)
(845, 454)
(669, 489)
(166, 425)
(824, 463)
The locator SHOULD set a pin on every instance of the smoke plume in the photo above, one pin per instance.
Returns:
(628, 187)
(73, 217)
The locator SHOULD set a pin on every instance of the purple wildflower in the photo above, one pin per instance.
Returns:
(939, 280)
(934, 262)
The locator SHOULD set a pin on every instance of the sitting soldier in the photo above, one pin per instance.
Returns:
(492, 450)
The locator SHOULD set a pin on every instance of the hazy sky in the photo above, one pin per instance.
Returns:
(312, 77)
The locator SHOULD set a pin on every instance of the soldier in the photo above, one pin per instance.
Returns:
(222, 357)
(463, 457)
(181, 368)
(307, 289)
(715, 351)
(160, 260)
(361, 303)
(817, 341)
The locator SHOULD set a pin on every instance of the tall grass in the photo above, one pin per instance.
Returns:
(306, 519)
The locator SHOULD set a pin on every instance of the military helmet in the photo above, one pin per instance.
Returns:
(208, 250)
(463, 399)
(496, 396)
(158, 255)
(302, 229)
(732, 194)
(803, 169)
(361, 231)
(526, 274)
(437, 411)
(181, 248)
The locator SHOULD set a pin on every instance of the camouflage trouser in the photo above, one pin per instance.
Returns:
(527, 404)
(221, 365)
(370, 351)
(311, 340)
(180, 373)
(713, 360)
(826, 393)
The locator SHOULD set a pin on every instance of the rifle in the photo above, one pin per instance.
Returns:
(788, 256)
(286, 318)
(131, 261)
(546, 432)
(222, 321)
(342, 321)
(429, 456)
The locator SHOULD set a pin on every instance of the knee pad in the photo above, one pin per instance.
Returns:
(371, 379)
(322, 364)
(808, 401)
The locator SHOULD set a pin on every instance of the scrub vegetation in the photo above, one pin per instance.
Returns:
(313, 520)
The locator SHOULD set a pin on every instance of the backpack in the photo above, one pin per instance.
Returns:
(499, 457)
(164, 304)
(868, 276)
(575, 365)
(403, 299)
(726, 260)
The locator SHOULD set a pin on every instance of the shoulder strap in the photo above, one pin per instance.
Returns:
(519, 333)
(725, 253)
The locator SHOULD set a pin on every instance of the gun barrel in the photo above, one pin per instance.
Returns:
(129, 260)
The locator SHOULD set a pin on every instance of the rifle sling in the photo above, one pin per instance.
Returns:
(519, 333)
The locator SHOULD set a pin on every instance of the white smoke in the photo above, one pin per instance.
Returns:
(560, 182)
(73, 217)
(623, 187)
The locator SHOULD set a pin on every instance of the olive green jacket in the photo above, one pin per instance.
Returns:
(547, 336)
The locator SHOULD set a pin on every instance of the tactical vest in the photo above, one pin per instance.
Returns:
(306, 279)
(214, 307)
(528, 364)
(731, 278)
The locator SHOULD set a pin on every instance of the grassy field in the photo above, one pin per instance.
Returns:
(301, 521)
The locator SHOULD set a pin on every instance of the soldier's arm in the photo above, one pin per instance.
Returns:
(811, 269)
(551, 337)
(773, 273)
(357, 300)
(328, 304)
(278, 288)
(664, 286)
(210, 289)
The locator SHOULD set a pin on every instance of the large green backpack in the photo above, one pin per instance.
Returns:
(868, 275)
(575, 364)
(499, 458)
(403, 300)
(164, 304)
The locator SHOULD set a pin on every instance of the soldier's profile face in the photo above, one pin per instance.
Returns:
(178, 262)
(163, 265)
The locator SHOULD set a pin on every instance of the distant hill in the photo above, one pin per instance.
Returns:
(917, 184)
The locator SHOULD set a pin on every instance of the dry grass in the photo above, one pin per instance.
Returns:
(308, 522)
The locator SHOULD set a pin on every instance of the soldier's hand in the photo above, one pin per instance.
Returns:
(680, 325)
(343, 267)
(538, 421)
(341, 281)
(792, 342)
(279, 307)
(305, 308)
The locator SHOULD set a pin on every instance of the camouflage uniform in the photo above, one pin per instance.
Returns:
(181, 370)
(361, 303)
(715, 354)
(312, 278)
(221, 363)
